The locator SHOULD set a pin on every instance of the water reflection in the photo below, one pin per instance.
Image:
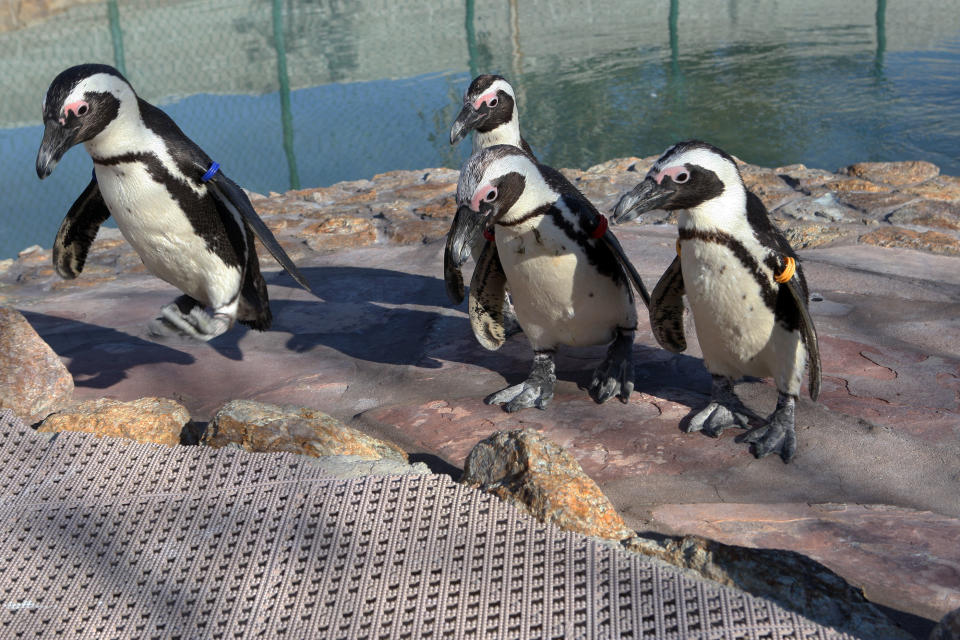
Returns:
(369, 86)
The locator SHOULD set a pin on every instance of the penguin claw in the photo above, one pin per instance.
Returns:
(535, 391)
(530, 393)
(714, 418)
(196, 323)
(612, 379)
(777, 435)
(772, 438)
(614, 376)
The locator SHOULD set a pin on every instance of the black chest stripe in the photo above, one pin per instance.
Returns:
(597, 253)
(539, 211)
(218, 229)
(749, 262)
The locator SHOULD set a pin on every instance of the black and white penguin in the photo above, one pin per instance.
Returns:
(490, 110)
(191, 225)
(745, 287)
(569, 277)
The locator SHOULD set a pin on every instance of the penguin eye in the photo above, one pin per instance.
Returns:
(491, 195)
(680, 178)
(82, 110)
(493, 102)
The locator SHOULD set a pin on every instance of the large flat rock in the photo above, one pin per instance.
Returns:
(874, 492)
(384, 351)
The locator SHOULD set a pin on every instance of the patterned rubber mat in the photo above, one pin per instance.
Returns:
(106, 538)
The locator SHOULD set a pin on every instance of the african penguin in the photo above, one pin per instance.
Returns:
(745, 287)
(569, 277)
(191, 225)
(490, 110)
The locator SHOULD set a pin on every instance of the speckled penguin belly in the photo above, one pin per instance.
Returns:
(560, 298)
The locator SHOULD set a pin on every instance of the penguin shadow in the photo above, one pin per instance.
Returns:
(675, 377)
(373, 314)
(100, 356)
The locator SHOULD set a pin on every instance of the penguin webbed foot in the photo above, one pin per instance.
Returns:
(187, 317)
(778, 434)
(614, 376)
(723, 411)
(535, 391)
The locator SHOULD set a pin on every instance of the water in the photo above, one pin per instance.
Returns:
(351, 89)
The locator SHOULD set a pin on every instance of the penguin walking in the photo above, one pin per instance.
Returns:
(490, 111)
(745, 287)
(190, 224)
(568, 274)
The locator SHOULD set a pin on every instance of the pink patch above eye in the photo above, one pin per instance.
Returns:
(481, 194)
(487, 97)
(74, 107)
(673, 172)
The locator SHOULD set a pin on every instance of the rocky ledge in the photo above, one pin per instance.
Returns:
(873, 496)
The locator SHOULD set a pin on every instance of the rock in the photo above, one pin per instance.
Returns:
(526, 469)
(895, 174)
(875, 204)
(785, 577)
(821, 208)
(33, 381)
(943, 188)
(258, 426)
(340, 232)
(807, 236)
(928, 213)
(156, 420)
(853, 184)
(416, 231)
(932, 241)
(948, 628)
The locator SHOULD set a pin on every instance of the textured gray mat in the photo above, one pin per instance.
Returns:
(104, 538)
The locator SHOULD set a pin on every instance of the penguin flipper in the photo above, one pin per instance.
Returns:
(78, 230)
(666, 309)
(488, 289)
(230, 195)
(464, 230)
(614, 245)
(452, 276)
(809, 333)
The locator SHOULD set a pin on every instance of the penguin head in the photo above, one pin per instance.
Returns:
(80, 103)
(689, 175)
(504, 183)
(489, 103)
(497, 184)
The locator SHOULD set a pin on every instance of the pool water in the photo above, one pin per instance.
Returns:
(291, 93)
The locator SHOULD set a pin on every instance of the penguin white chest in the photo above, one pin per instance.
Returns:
(733, 322)
(156, 226)
(559, 297)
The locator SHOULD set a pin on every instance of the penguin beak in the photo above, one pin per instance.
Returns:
(463, 232)
(466, 121)
(646, 196)
(56, 140)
